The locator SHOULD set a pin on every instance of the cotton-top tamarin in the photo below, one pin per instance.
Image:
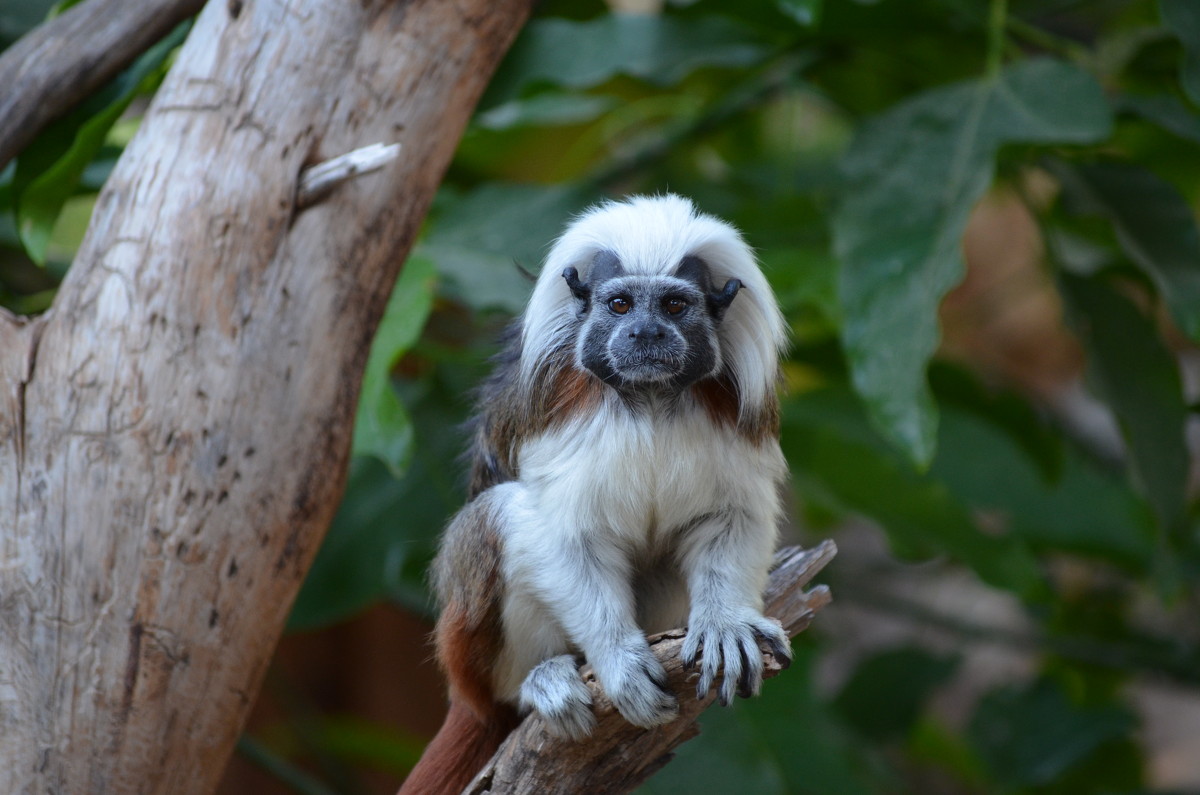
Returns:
(625, 475)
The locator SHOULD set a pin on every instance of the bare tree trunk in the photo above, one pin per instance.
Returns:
(174, 431)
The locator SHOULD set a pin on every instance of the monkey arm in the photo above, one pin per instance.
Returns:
(725, 561)
(583, 578)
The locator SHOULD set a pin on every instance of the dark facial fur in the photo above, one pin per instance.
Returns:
(649, 331)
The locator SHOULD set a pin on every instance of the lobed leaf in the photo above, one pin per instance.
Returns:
(913, 176)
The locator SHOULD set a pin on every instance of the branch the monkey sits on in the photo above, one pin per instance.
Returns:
(624, 481)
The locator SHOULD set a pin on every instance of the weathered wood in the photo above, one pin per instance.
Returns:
(46, 72)
(175, 429)
(620, 756)
(317, 182)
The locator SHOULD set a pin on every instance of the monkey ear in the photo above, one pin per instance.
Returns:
(719, 302)
(578, 289)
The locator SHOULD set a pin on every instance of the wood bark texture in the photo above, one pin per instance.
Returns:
(174, 431)
(72, 55)
(619, 756)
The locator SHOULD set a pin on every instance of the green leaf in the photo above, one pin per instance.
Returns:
(1166, 111)
(1141, 380)
(376, 745)
(785, 742)
(384, 533)
(931, 742)
(1030, 736)
(803, 278)
(382, 427)
(806, 12)
(913, 176)
(1155, 227)
(41, 198)
(885, 695)
(1017, 418)
(1082, 510)
(18, 18)
(660, 49)
(479, 239)
(837, 457)
(1182, 17)
(545, 110)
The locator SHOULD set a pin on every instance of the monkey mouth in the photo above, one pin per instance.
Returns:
(647, 367)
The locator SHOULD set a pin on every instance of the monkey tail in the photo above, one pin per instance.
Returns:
(459, 750)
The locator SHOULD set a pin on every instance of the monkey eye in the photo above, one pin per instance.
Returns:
(620, 304)
(674, 305)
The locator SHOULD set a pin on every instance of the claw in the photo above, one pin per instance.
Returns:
(782, 652)
(745, 685)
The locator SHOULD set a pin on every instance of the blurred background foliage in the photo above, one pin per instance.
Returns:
(980, 219)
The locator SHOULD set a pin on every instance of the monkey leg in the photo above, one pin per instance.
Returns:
(555, 691)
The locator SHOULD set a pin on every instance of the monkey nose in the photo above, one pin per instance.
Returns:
(645, 332)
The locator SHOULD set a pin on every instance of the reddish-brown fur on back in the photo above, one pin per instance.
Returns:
(467, 651)
(466, 578)
(462, 746)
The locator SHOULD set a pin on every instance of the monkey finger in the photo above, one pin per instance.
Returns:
(690, 650)
(751, 678)
(710, 663)
(735, 666)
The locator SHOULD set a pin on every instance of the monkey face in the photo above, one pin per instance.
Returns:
(649, 330)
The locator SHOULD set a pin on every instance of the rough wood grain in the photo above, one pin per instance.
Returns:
(620, 756)
(174, 431)
(46, 72)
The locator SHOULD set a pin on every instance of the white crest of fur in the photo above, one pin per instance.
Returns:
(651, 235)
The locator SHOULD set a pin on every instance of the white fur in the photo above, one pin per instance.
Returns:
(650, 236)
(630, 488)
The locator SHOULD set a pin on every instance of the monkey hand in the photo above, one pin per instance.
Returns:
(636, 683)
(731, 638)
(555, 691)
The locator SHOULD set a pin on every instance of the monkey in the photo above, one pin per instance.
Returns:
(625, 476)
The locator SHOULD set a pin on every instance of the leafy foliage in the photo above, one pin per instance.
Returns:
(913, 175)
(853, 143)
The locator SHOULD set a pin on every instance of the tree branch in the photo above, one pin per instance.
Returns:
(59, 63)
(620, 756)
(319, 181)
